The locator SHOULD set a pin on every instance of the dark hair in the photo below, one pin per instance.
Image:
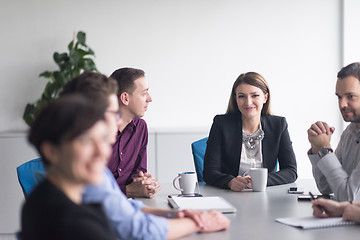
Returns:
(95, 86)
(352, 69)
(254, 79)
(126, 77)
(63, 120)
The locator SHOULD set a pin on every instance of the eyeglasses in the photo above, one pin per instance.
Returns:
(117, 114)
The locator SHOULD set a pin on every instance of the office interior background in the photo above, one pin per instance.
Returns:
(192, 52)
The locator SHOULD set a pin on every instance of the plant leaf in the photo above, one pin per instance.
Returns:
(29, 114)
(56, 57)
(40, 104)
(70, 45)
(81, 53)
(61, 60)
(60, 79)
(51, 90)
(70, 65)
(90, 51)
(81, 37)
(88, 64)
(76, 46)
(85, 52)
(46, 74)
(67, 70)
(74, 58)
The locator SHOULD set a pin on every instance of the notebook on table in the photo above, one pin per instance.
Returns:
(201, 203)
(313, 222)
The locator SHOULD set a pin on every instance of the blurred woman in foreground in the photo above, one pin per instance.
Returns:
(73, 140)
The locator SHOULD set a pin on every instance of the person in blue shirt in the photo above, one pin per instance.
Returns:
(130, 219)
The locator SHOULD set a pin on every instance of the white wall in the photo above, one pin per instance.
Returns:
(15, 150)
(351, 31)
(192, 52)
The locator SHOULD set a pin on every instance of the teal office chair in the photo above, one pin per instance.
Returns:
(30, 174)
(198, 150)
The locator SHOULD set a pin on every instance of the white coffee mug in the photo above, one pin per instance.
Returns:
(187, 182)
(259, 178)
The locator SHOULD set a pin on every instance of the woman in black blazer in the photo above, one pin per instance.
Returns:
(248, 136)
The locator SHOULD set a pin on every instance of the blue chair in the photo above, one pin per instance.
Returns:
(198, 150)
(18, 236)
(30, 174)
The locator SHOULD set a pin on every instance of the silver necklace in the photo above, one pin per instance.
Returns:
(252, 140)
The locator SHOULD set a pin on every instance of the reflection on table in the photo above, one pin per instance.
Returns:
(257, 211)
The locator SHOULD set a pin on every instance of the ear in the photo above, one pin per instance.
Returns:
(124, 98)
(49, 151)
(266, 97)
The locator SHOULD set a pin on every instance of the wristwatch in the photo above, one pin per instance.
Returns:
(323, 151)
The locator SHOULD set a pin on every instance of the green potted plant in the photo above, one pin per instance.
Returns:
(77, 60)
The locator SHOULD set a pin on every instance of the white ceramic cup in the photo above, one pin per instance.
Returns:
(187, 182)
(259, 178)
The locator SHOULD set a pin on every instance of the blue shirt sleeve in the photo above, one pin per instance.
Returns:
(125, 216)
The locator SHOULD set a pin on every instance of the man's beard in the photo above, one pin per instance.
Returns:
(354, 118)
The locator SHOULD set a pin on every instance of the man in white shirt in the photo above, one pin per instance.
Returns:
(339, 172)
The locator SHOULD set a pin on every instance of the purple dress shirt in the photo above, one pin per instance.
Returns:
(129, 153)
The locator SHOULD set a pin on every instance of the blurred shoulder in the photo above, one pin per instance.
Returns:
(228, 117)
(274, 121)
(273, 118)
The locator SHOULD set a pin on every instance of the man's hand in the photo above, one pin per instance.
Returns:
(210, 221)
(351, 213)
(319, 135)
(240, 183)
(144, 185)
(332, 208)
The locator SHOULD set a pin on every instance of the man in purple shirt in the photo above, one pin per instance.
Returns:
(128, 162)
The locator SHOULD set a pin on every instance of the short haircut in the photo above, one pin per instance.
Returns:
(95, 86)
(254, 79)
(62, 120)
(125, 78)
(352, 69)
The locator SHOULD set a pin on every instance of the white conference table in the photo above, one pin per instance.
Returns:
(257, 211)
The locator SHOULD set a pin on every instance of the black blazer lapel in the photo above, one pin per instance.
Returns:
(268, 144)
(236, 141)
(265, 145)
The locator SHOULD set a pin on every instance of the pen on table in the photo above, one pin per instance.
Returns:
(320, 207)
